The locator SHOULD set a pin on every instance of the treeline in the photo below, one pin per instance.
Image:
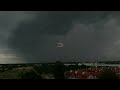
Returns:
(109, 62)
(57, 69)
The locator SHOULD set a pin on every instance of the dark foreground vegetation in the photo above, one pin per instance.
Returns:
(44, 71)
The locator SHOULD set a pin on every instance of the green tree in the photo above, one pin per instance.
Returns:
(107, 74)
(38, 69)
(83, 66)
(59, 70)
(29, 75)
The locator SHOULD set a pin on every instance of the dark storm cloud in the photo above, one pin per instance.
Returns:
(86, 34)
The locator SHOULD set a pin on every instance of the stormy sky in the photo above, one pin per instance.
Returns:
(31, 36)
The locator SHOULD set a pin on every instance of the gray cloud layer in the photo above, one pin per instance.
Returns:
(32, 36)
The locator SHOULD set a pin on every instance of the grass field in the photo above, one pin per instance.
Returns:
(10, 74)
